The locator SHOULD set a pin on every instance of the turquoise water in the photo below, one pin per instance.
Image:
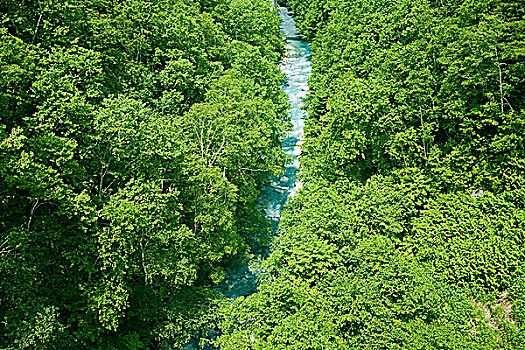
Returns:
(297, 67)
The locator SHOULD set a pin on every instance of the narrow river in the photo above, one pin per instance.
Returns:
(297, 66)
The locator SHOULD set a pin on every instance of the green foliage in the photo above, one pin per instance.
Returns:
(408, 232)
(516, 322)
(134, 136)
(312, 15)
(254, 22)
(337, 279)
(471, 243)
(405, 84)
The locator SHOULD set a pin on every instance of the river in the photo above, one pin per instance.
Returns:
(273, 197)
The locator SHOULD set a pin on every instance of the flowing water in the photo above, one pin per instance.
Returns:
(297, 66)
(242, 280)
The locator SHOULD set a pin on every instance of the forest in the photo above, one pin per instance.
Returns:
(409, 230)
(135, 136)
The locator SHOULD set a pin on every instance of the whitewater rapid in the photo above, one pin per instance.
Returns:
(296, 65)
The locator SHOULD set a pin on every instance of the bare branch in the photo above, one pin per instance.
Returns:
(218, 151)
(4, 248)
(36, 28)
(34, 207)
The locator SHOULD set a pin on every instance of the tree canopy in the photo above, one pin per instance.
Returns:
(134, 137)
(408, 232)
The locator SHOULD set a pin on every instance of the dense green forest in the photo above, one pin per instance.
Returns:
(409, 231)
(134, 137)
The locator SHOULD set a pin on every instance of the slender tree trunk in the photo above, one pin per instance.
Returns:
(500, 80)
